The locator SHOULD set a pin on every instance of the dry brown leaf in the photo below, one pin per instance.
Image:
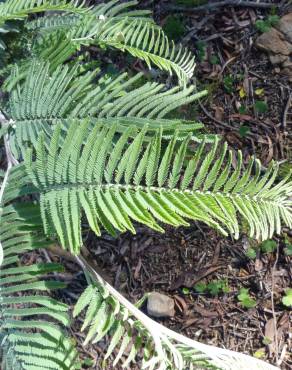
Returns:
(218, 112)
(270, 335)
(180, 303)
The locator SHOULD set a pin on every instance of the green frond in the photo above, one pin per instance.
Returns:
(113, 24)
(117, 9)
(57, 35)
(129, 338)
(22, 348)
(52, 23)
(19, 184)
(148, 42)
(134, 336)
(46, 98)
(112, 10)
(19, 9)
(116, 188)
(139, 37)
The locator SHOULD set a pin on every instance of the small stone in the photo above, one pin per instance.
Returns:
(258, 266)
(273, 42)
(287, 72)
(160, 305)
(278, 58)
(287, 63)
(285, 26)
(277, 43)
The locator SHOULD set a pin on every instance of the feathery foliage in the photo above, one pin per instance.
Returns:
(148, 42)
(117, 183)
(134, 336)
(105, 315)
(19, 184)
(112, 24)
(19, 9)
(111, 11)
(106, 150)
(46, 98)
(20, 232)
(108, 24)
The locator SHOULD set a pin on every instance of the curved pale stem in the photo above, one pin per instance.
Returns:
(10, 162)
(222, 358)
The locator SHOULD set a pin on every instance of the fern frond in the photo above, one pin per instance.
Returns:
(112, 24)
(142, 39)
(112, 186)
(19, 9)
(148, 42)
(117, 9)
(133, 335)
(57, 34)
(47, 98)
(49, 348)
(52, 23)
(5, 29)
(54, 95)
(112, 10)
(19, 184)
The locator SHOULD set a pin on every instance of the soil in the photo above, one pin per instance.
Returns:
(171, 262)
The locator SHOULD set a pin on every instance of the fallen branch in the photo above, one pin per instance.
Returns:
(275, 339)
(218, 4)
(287, 106)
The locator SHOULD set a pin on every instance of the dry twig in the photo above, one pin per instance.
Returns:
(287, 106)
(273, 306)
(211, 6)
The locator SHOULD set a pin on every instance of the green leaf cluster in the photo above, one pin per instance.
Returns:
(287, 299)
(268, 246)
(266, 24)
(214, 287)
(245, 299)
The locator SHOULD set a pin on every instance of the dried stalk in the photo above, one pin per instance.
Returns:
(211, 6)
(11, 161)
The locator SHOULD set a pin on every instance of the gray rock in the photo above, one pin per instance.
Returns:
(277, 43)
(274, 42)
(160, 305)
(287, 63)
(285, 26)
(278, 58)
(287, 72)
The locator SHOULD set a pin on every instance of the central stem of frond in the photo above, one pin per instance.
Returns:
(144, 188)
